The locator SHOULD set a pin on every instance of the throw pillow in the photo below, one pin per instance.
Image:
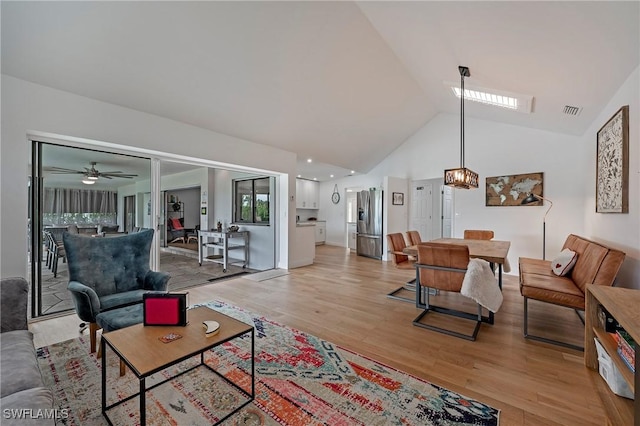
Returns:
(175, 223)
(562, 264)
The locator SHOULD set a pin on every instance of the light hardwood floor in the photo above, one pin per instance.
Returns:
(342, 298)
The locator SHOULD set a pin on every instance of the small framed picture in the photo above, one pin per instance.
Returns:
(398, 199)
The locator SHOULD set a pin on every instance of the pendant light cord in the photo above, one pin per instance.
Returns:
(462, 120)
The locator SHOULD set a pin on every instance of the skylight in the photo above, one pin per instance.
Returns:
(511, 101)
(487, 98)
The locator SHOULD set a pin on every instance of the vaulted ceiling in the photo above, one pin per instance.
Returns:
(344, 83)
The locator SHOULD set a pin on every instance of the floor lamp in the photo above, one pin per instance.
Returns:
(532, 198)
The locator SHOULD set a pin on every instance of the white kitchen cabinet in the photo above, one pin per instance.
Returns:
(321, 232)
(307, 194)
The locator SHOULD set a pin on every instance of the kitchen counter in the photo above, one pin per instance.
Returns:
(304, 248)
(301, 224)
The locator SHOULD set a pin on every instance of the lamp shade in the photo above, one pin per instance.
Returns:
(461, 178)
(531, 198)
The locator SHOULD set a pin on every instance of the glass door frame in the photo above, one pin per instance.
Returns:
(36, 204)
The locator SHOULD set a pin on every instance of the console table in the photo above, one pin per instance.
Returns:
(224, 242)
(622, 304)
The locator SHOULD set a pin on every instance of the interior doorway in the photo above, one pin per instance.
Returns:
(431, 209)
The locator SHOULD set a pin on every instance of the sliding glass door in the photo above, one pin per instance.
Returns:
(90, 192)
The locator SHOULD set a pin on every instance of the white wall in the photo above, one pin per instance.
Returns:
(28, 107)
(262, 244)
(395, 217)
(617, 229)
(492, 149)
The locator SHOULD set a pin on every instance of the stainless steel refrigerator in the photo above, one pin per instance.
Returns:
(369, 232)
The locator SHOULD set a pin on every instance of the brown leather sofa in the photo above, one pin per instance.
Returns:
(596, 264)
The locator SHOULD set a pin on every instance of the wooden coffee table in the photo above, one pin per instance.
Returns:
(141, 350)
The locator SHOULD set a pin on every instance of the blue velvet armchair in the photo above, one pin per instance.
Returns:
(108, 273)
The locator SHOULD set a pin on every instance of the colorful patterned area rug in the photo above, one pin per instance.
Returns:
(300, 380)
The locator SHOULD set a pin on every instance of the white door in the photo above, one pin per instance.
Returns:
(447, 211)
(422, 209)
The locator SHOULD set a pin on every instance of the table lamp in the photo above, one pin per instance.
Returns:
(532, 198)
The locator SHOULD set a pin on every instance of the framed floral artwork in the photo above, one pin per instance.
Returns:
(612, 164)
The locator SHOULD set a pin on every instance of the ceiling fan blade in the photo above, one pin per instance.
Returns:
(118, 175)
(60, 170)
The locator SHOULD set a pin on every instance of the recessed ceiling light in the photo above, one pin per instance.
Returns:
(352, 172)
(309, 160)
(315, 178)
(499, 98)
(299, 175)
(330, 175)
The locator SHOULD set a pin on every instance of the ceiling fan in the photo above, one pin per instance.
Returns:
(92, 174)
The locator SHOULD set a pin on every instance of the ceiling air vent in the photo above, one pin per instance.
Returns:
(572, 110)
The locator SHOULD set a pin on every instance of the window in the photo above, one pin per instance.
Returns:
(251, 200)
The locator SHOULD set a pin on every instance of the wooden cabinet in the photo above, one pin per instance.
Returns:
(623, 305)
(307, 194)
(321, 231)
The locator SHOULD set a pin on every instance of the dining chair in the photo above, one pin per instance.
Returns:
(396, 244)
(478, 234)
(413, 238)
(443, 267)
(55, 252)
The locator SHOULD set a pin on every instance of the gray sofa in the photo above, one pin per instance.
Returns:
(22, 390)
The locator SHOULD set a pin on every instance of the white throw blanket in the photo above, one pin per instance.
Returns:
(480, 284)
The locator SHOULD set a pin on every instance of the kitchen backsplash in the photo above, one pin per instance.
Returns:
(305, 214)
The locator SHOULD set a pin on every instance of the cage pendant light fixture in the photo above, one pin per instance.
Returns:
(461, 177)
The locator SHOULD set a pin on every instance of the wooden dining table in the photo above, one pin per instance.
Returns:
(493, 251)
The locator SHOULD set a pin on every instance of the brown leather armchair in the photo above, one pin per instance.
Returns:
(443, 267)
(396, 244)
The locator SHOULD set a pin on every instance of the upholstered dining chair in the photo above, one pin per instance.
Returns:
(443, 267)
(396, 244)
(413, 238)
(109, 273)
(478, 234)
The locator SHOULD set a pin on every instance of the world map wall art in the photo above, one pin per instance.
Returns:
(511, 190)
(612, 167)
